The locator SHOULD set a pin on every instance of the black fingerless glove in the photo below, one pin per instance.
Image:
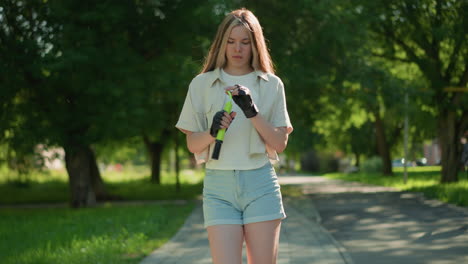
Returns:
(245, 102)
(216, 125)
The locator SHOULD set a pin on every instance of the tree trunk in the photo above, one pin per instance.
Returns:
(192, 161)
(358, 161)
(155, 152)
(97, 182)
(449, 147)
(382, 145)
(177, 163)
(78, 166)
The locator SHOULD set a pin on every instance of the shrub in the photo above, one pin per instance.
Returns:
(319, 162)
(372, 165)
(310, 161)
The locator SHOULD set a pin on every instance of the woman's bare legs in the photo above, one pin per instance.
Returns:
(226, 243)
(262, 241)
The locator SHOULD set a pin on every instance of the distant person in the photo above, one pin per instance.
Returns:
(241, 195)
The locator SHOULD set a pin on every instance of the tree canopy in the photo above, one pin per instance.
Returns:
(83, 74)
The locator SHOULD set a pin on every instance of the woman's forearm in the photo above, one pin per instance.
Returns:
(275, 137)
(198, 141)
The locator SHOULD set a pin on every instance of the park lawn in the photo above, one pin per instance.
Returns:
(130, 184)
(420, 179)
(110, 234)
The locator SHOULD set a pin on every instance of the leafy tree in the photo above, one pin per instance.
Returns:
(93, 92)
(431, 34)
(172, 60)
(81, 86)
(308, 42)
(97, 72)
(24, 35)
(320, 49)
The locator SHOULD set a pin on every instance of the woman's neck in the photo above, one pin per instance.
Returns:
(237, 71)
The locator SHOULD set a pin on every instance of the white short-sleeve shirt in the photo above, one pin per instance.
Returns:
(206, 96)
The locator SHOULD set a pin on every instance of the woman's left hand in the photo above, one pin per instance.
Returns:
(241, 96)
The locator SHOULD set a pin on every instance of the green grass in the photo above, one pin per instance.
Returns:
(420, 179)
(130, 184)
(129, 173)
(291, 191)
(113, 234)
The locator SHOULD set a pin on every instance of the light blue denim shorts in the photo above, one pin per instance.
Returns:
(241, 196)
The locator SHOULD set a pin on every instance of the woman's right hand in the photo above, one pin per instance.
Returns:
(221, 120)
(241, 96)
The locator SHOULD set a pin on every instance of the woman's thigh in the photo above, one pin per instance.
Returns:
(262, 239)
(226, 243)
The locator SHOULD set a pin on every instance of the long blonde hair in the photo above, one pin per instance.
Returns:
(261, 59)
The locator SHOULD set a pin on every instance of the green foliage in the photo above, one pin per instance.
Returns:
(291, 191)
(321, 162)
(130, 151)
(372, 165)
(310, 162)
(432, 36)
(113, 234)
(328, 163)
(105, 73)
(97, 73)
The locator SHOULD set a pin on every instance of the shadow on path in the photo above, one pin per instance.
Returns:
(387, 226)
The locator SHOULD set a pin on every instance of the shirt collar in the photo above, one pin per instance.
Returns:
(217, 76)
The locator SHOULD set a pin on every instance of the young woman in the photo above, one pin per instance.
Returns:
(241, 195)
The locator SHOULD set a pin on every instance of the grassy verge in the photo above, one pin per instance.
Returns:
(420, 179)
(114, 234)
(291, 191)
(129, 184)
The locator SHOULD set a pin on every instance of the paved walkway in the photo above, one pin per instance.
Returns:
(302, 239)
(346, 222)
(388, 226)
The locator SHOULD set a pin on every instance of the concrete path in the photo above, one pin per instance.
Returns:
(316, 184)
(346, 222)
(383, 225)
(302, 240)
